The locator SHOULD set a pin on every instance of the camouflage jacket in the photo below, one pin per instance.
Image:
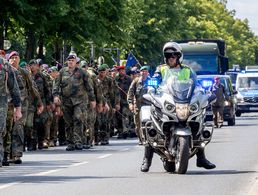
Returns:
(43, 87)
(8, 84)
(76, 86)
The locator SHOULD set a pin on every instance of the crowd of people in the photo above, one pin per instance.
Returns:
(77, 105)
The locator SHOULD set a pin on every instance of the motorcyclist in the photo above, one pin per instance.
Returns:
(173, 58)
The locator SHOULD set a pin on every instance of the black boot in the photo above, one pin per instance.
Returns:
(202, 161)
(5, 160)
(148, 155)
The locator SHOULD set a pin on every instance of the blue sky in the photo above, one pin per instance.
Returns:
(246, 9)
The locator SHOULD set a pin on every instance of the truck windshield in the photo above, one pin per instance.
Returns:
(245, 83)
(202, 64)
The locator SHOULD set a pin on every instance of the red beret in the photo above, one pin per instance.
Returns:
(120, 67)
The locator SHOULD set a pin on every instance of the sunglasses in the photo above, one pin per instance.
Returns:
(170, 55)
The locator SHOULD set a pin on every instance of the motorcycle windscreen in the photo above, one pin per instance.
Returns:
(180, 89)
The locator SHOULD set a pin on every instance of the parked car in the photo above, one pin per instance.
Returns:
(230, 105)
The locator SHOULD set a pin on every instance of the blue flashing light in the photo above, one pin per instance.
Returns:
(206, 83)
(153, 82)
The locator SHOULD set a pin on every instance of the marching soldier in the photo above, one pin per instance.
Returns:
(135, 100)
(7, 82)
(72, 90)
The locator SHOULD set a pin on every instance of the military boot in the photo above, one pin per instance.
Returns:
(5, 160)
(148, 155)
(202, 161)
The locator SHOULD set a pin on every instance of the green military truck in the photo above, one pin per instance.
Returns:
(205, 56)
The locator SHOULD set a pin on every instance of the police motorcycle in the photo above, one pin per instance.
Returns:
(173, 121)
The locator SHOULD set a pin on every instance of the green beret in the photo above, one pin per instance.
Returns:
(103, 67)
(83, 64)
(144, 68)
(23, 64)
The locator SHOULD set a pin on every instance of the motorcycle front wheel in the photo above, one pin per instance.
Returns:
(182, 155)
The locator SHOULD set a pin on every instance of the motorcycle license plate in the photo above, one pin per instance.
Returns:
(209, 113)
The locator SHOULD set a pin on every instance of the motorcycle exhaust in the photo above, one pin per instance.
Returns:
(152, 132)
(206, 134)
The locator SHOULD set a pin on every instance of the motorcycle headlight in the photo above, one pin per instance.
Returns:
(182, 111)
(170, 108)
(194, 108)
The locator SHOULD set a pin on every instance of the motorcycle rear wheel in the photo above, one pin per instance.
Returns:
(182, 155)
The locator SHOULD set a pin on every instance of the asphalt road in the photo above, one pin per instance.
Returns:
(115, 169)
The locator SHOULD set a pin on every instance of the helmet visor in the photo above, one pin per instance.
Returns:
(170, 55)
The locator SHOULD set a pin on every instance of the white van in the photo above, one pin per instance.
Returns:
(247, 97)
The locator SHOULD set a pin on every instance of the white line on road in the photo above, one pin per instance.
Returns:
(8, 185)
(104, 156)
(78, 164)
(124, 149)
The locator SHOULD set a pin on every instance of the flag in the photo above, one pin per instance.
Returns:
(131, 61)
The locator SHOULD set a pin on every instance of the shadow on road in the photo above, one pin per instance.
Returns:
(53, 179)
(219, 172)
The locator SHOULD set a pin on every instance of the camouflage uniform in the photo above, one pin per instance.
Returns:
(91, 118)
(42, 121)
(104, 120)
(74, 88)
(135, 96)
(7, 81)
(124, 116)
(15, 131)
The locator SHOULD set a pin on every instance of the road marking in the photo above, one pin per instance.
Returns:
(125, 149)
(8, 185)
(78, 164)
(104, 156)
(43, 173)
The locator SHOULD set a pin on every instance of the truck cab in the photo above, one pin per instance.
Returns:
(205, 56)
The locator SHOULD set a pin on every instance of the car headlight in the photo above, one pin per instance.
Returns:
(182, 111)
(227, 103)
(194, 108)
(240, 98)
(170, 107)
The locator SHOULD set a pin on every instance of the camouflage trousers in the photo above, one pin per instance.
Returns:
(54, 128)
(218, 115)
(14, 138)
(125, 120)
(3, 116)
(89, 127)
(137, 122)
(75, 116)
(103, 123)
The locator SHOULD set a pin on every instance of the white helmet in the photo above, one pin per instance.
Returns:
(173, 48)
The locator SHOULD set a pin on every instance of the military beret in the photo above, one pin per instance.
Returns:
(103, 67)
(52, 69)
(120, 67)
(22, 64)
(144, 68)
(33, 61)
(13, 53)
(83, 64)
(71, 56)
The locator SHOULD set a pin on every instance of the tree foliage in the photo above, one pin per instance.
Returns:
(142, 26)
